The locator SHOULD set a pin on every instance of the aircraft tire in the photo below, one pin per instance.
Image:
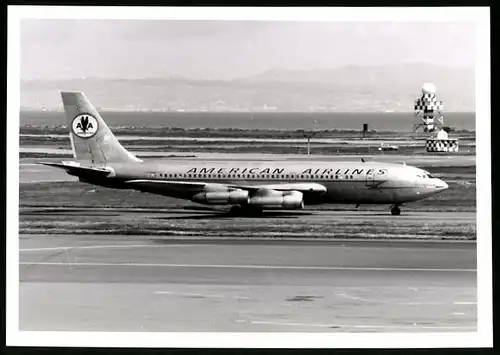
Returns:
(395, 211)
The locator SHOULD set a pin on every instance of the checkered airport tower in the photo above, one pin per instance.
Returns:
(432, 121)
(430, 107)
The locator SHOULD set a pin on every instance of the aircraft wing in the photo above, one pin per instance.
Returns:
(301, 187)
(199, 186)
(164, 184)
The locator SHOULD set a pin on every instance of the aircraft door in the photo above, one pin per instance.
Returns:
(370, 177)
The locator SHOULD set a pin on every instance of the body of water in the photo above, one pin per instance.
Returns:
(402, 122)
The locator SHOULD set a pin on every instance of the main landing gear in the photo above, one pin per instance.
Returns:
(238, 210)
(395, 211)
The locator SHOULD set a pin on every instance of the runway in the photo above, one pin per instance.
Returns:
(150, 283)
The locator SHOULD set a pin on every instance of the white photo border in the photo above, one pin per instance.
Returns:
(484, 335)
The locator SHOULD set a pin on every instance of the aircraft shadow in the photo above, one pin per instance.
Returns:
(228, 215)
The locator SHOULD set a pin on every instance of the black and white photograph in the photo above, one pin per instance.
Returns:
(249, 177)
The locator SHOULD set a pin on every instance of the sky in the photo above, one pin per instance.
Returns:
(60, 49)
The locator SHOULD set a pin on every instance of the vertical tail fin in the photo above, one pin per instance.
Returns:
(91, 138)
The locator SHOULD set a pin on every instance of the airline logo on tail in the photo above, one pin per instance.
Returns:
(85, 125)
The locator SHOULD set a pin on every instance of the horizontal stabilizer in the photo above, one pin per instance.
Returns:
(77, 170)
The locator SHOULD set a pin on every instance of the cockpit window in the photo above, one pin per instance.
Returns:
(424, 175)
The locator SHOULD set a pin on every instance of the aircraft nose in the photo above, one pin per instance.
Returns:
(441, 185)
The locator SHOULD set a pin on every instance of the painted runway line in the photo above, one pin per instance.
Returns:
(200, 295)
(358, 326)
(222, 266)
(379, 301)
(131, 246)
(108, 247)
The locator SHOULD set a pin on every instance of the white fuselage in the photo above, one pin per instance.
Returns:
(345, 182)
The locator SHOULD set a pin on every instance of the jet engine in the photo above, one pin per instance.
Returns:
(235, 197)
(288, 200)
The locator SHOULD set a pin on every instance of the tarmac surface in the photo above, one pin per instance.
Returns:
(150, 283)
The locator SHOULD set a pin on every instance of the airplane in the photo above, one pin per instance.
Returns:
(244, 186)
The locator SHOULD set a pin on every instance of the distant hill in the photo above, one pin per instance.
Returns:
(349, 88)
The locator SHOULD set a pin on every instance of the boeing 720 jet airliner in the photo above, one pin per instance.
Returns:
(101, 160)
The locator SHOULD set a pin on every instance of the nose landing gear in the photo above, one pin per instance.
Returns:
(395, 211)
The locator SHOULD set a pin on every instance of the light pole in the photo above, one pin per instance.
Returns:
(309, 135)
